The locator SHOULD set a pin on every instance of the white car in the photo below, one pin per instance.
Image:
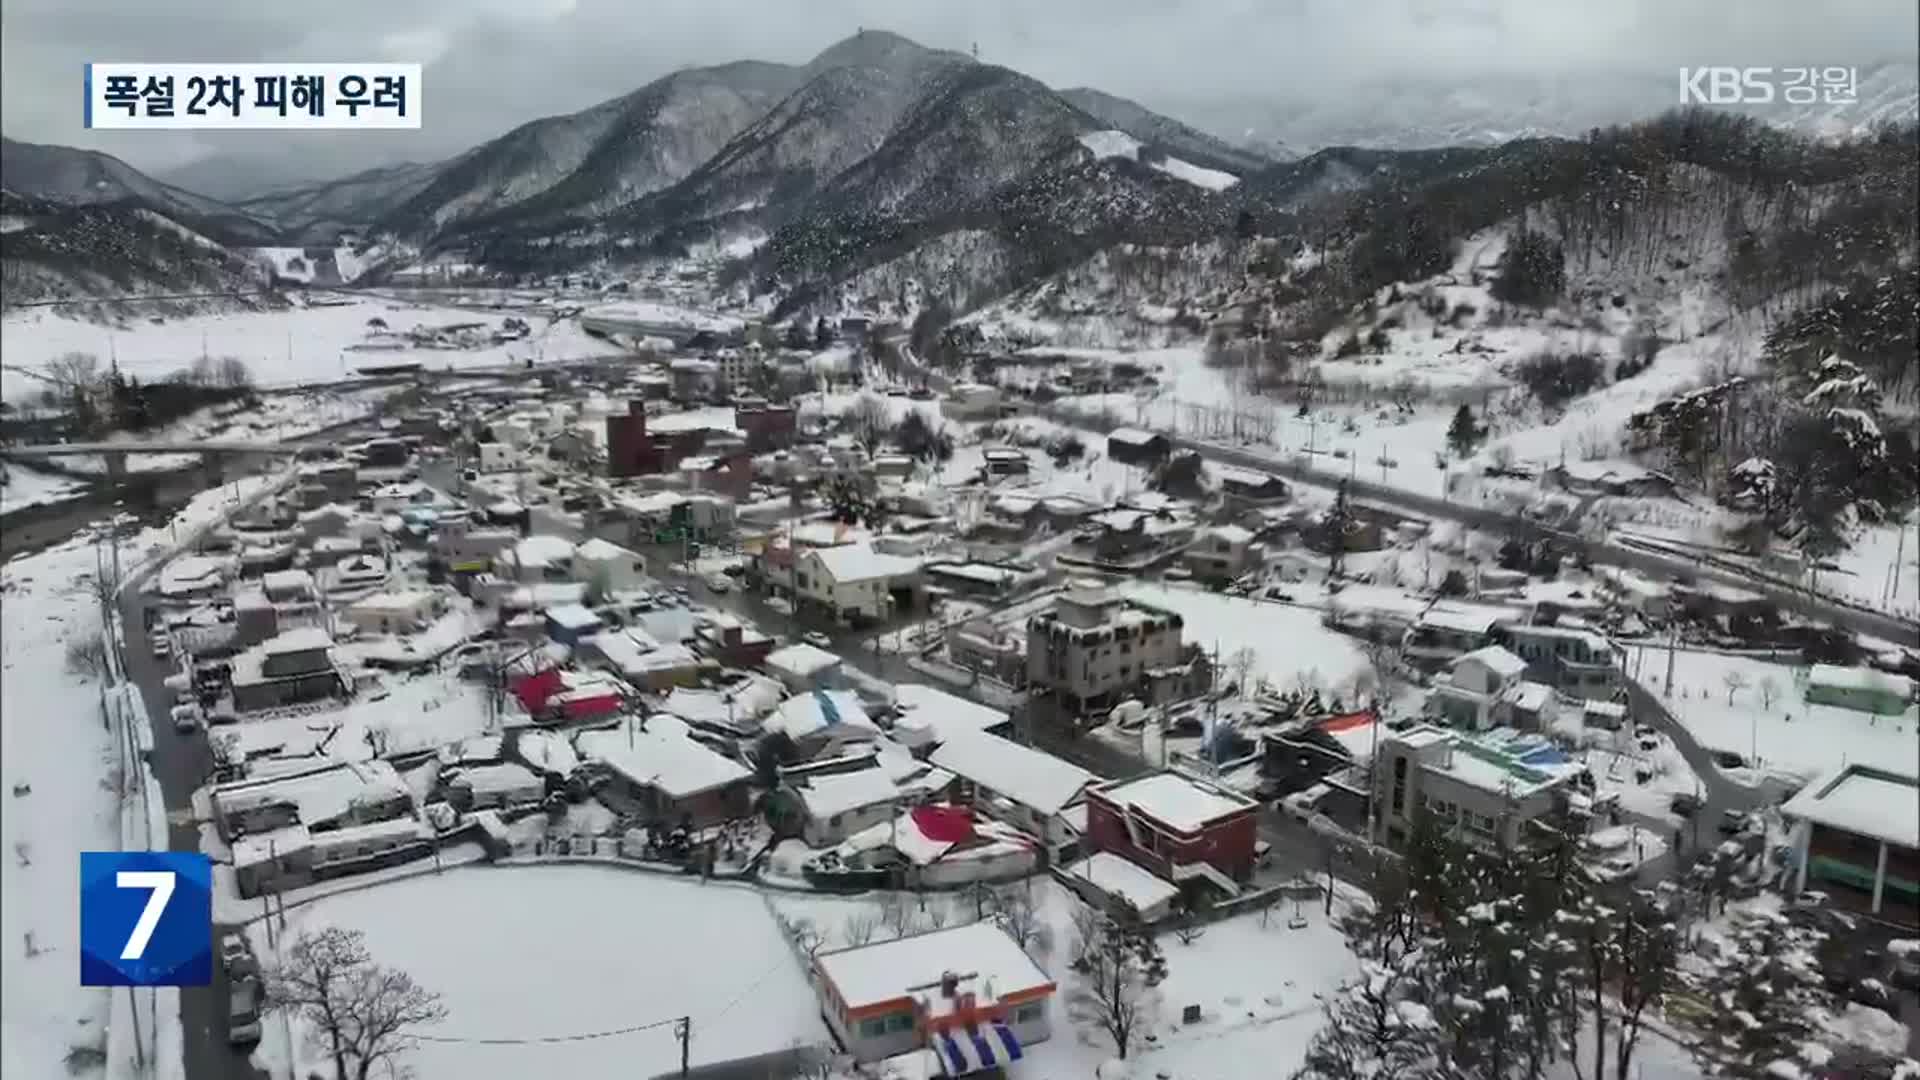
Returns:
(186, 719)
(719, 583)
(817, 639)
(161, 644)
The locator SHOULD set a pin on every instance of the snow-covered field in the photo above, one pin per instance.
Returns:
(1289, 646)
(279, 417)
(1757, 710)
(59, 773)
(25, 487)
(301, 345)
(532, 953)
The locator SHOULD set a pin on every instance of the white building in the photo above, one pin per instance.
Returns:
(837, 805)
(1093, 648)
(543, 558)
(491, 786)
(823, 722)
(853, 582)
(498, 457)
(969, 994)
(400, 612)
(803, 667)
(601, 561)
(1488, 688)
(929, 717)
(1023, 787)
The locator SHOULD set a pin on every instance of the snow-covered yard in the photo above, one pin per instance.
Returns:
(525, 956)
(1289, 645)
(1757, 709)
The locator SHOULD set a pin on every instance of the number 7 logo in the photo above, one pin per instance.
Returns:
(146, 918)
(161, 882)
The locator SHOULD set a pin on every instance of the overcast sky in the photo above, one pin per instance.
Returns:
(494, 63)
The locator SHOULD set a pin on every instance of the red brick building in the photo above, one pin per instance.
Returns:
(768, 427)
(632, 450)
(1177, 827)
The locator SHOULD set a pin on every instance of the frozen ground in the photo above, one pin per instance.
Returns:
(60, 777)
(278, 418)
(523, 954)
(301, 345)
(1757, 710)
(25, 487)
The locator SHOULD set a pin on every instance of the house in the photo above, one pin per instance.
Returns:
(1609, 478)
(834, 806)
(636, 657)
(1182, 829)
(607, 565)
(854, 583)
(402, 612)
(497, 457)
(670, 777)
(192, 577)
(467, 550)
(1248, 488)
(1026, 788)
(1005, 461)
(803, 667)
(969, 994)
(1093, 648)
(892, 466)
(1327, 756)
(986, 580)
(1449, 629)
(543, 558)
(287, 669)
(324, 797)
(1136, 447)
(486, 787)
(731, 642)
(1116, 878)
(1577, 661)
(1856, 837)
(294, 855)
(823, 722)
(1223, 553)
(927, 717)
(1487, 789)
(971, 401)
(288, 586)
(1479, 689)
(570, 624)
(1861, 689)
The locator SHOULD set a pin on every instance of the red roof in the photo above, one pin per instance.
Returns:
(534, 690)
(1348, 721)
(944, 824)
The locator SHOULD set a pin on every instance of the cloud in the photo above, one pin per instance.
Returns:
(496, 63)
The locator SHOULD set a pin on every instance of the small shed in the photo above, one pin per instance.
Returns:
(570, 624)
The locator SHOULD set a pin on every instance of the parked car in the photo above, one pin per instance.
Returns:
(719, 583)
(186, 719)
(236, 956)
(162, 645)
(1685, 804)
(817, 639)
(243, 1012)
(1734, 821)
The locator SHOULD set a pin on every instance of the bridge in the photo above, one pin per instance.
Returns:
(121, 449)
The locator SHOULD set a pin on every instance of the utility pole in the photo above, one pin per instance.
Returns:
(683, 1029)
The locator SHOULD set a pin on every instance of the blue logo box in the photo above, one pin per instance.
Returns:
(146, 918)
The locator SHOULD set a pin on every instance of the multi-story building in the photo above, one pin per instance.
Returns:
(1094, 647)
(1223, 553)
(1489, 790)
(1488, 688)
(1573, 660)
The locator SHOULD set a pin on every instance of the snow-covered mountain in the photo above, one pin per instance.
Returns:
(60, 250)
(62, 174)
(1491, 109)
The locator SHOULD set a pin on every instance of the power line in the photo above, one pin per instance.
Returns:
(584, 1037)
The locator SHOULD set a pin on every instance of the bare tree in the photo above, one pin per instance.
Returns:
(1188, 929)
(87, 656)
(1119, 968)
(1018, 916)
(897, 913)
(867, 422)
(362, 1014)
(981, 895)
(1769, 690)
(233, 373)
(75, 371)
(1735, 682)
(859, 928)
(1240, 665)
(939, 913)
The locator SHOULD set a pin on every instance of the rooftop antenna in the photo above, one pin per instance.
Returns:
(976, 50)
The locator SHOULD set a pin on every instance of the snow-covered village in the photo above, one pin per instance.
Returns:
(1337, 642)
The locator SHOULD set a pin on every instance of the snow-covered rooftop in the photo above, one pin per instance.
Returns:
(1124, 878)
(810, 714)
(301, 639)
(1498, 660)
(800, 660)
(1859, 678)
(838, 793)
(663, 756)
(1027, 776)
(573, 617)
(1131, 436)
(929, 715)
(893, 970)
(1172, 799)
(850, 563)
(1867, 801)
(598, 550)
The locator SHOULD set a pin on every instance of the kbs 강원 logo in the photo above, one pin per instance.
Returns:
(146, 918)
